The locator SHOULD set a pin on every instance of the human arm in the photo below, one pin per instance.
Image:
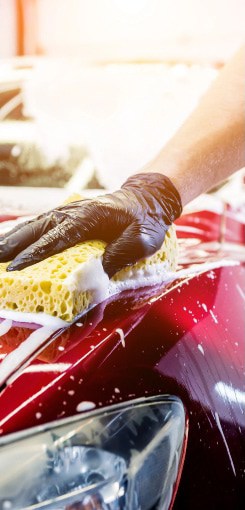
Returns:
(133, 221)
(210, 145)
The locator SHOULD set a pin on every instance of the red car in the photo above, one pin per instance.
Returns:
(140, 404)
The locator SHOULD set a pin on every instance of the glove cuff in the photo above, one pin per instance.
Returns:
(161, 188)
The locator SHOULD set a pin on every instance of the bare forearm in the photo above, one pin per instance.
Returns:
(210, 145)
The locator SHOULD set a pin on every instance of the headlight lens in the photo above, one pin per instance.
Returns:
(126, 457)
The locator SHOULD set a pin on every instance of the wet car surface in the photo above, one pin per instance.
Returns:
(183, 339)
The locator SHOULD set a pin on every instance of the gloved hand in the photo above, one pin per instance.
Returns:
(133, 221)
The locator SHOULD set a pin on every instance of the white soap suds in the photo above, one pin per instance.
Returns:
(85, 406)
(5, 326)
(21, 353)
(90, 276)
(213, 316)
(51, 367)
(146, 276)
(44, 319)
(200, 348)
(122, 337)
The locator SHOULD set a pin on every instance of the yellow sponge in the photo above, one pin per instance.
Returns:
(43, 287)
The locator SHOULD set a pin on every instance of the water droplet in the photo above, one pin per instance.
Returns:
(85, 406)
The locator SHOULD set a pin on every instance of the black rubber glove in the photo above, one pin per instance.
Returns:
(133, 221)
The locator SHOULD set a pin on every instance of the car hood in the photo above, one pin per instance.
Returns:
(140, 343)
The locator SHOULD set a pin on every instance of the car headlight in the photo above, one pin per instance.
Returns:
(124, 457)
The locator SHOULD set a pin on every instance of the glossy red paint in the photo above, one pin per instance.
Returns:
(185, 338)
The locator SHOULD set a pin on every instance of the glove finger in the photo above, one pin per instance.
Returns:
(22, 236)
(26, 233)
(63, 236)
(135, 243)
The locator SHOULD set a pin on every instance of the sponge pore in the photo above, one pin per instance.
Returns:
(43, 287)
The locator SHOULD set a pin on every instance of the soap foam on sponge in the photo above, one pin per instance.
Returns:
(68, 283)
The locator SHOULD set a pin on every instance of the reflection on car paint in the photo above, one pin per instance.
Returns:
(185, 338)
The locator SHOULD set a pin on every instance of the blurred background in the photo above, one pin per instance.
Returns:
(91, 90)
